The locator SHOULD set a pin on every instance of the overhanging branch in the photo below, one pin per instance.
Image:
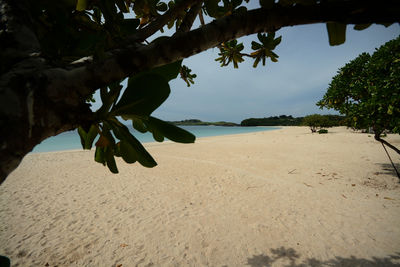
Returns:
(129, 60)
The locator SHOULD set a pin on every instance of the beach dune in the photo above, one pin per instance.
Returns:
(277, 198)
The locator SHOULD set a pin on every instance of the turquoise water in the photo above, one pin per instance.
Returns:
(70, 140)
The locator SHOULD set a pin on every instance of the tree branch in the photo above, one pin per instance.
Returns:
(378, 138)
(130, 60)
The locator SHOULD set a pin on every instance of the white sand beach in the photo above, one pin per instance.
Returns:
(276, 198)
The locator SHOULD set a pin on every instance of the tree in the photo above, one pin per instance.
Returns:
(56, 54)
(316, 121)
(367, 91)
(313, 121)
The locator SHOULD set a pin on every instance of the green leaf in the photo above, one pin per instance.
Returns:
(158, 137)
(108, 97)
(141, 154)
(211, 6)
(143, 95)
(336, 32)
(255, 45)
(139, 125)
(112, 166)
(127, 152)
(169, 71)
(162, 7)
(256, 62)
(81, 5)
(277, 41)
(93, 131)
(117, 149)
(82, 134)
(99, 155)
(170, 131)
(390, 110)
(87, 138)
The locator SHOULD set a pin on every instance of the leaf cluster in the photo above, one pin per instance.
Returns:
(187, 76)
(144, 93)
(264, 49)
(69, 30)
(230, 52)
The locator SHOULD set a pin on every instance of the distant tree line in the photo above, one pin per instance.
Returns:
(289, 120)
(281, 120)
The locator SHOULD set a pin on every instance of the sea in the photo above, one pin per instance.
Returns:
(71, 141)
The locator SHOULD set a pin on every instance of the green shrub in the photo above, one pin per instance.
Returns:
(323, 131)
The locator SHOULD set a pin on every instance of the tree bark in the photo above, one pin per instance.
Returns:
(39, 100)
(28, 114)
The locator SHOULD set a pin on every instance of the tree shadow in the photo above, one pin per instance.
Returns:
(387, 169)
(291, 259)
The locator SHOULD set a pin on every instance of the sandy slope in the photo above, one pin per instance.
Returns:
(279, 198)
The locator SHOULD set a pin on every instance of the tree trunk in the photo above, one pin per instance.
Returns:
(28, 113)
(28, 116)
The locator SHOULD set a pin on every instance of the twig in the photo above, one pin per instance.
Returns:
(187, 22)
(254, 187)
(391, 161)
(201, 18)
(291, 171)
(378, 138)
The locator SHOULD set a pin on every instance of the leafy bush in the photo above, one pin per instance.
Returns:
(323, 131)
(366, 90)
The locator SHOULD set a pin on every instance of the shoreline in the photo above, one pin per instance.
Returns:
(268, 198)
(165, 141)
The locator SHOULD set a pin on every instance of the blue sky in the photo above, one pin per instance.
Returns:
(291, 86)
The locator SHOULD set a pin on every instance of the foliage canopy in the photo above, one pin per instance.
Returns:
(367, 90)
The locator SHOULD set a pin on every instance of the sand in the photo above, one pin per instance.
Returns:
(276, 198)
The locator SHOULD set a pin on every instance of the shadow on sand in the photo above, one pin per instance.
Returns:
(387, 168)
(288, 257)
